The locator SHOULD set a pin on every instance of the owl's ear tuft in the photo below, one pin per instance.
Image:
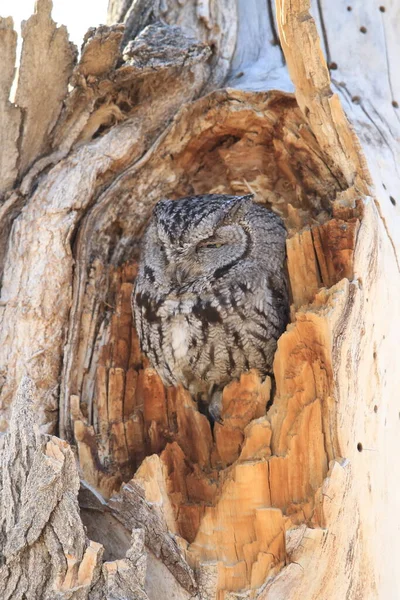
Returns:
(241, 205)
(247, 198)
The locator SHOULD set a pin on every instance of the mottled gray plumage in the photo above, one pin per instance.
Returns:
(211, 295)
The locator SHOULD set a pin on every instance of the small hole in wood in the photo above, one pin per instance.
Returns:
(382, 8)
(374, 355)
(363, 29)
(349, 8)
(359, 447)
(395, 104)
(356, 99)
(333, 66)
(392, 200)
(375, 409)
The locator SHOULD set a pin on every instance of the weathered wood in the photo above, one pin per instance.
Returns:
(210, 21)
(46, 65)
(10, 115)
(49, 221)
(258, 62)
(44, 549)
(42, 556)
(131, 508)
(309, 73)
(277, 502)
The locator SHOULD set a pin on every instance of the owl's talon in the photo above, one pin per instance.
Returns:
(216, 418)
(215, 407)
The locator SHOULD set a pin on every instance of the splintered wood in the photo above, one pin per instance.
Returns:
(320, 256)
(231, 493)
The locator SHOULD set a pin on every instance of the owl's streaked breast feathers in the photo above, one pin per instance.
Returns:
(211, 295)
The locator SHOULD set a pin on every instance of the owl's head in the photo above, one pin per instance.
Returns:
(200, 242)
(199, 238)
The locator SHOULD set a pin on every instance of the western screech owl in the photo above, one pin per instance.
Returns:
(211, 295)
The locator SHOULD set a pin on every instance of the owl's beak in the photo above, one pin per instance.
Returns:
(177, 273)
(181, 274)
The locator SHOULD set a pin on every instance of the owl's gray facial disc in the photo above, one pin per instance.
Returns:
(178, 221)
(193, 265)
(202, 237)
(211, 295)
(226, 248)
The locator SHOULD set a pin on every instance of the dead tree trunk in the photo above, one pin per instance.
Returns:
(295, 496)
